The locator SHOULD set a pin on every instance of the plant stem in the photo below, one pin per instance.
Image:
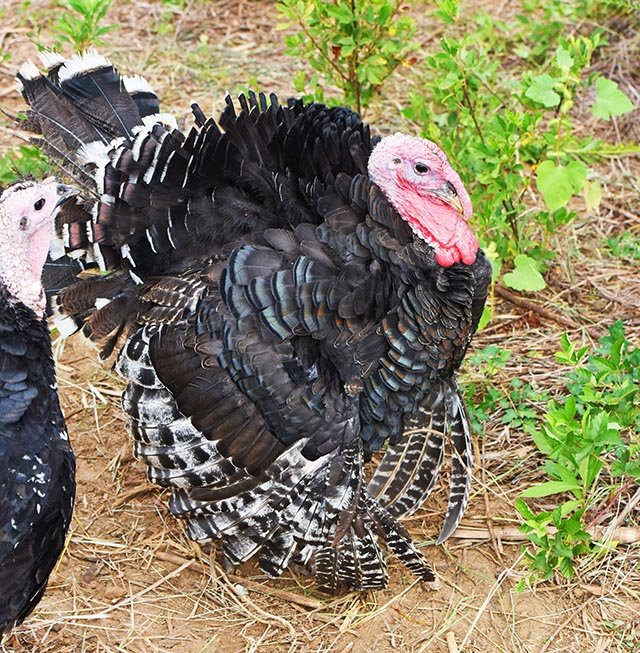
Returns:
(353, 62)
(318, 47)
(469, 105)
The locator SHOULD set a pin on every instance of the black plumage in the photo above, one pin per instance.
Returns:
(276, 319)
(37, 469)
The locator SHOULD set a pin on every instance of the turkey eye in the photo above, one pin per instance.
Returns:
(23, 223)
(421, 168)
(39, 204)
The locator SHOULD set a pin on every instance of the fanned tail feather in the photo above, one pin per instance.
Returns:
(297, 508)
(105, 132)
(409, 468)
(461, 461)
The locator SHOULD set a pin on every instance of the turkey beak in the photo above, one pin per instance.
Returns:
(448, 194)
(65, 193)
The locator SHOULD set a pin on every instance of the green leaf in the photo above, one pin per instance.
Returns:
(610, 100)
(541, 91)
(485, 318)
(559, 183)
(523, 509)
(447, 11)
(565, 565)
(569, 506)
(385, 14)
(564, 60)
(554, 184)
(525, 275)
(592, 194)
(548, 488)
(560, 472)
(577, 173)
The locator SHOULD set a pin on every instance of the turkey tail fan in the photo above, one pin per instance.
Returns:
(51, 114)
(92, 87)
(306, 510)
(79, 101)
(409, 468)
(105, 131)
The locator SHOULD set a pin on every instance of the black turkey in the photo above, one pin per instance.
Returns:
(284, 298)
(37, 469)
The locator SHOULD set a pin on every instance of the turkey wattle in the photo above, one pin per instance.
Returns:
(284, 299)
(37, 471)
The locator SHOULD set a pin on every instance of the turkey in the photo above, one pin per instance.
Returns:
(37, 475)
(285, 295)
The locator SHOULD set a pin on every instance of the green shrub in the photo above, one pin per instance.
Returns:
(22, 161)
(354, 45)
(80, 24)
(498, 97)
(591, 443)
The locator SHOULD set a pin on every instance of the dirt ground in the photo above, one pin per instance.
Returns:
(130, 581)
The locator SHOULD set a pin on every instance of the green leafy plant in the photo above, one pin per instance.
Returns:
(490, 393)
(80, 23)
(498, 98)
(625, 245)
(557, 540)
(354, 45)
(22, 161)
(610, 100)
(592, 449)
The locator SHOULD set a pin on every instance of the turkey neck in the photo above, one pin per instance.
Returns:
(21, 281)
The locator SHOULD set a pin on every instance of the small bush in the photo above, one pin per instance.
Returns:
(80, 24)
(592, 448)
(498, 98)
(352, 44)
(23, 161)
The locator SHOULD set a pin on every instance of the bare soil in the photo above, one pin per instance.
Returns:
(130, 581)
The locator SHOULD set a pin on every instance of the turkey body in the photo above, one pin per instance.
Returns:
(275, 318)
(37, 469)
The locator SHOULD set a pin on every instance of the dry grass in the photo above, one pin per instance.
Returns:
(130, 580)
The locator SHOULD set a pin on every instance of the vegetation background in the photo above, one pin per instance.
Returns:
(536, 103)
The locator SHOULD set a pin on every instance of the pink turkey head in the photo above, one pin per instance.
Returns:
(27, 210)
(427, 192)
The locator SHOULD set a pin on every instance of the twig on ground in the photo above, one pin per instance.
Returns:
(617, 209)
(622, 534)
(451, 642)
(138, 491)
(563, 624)
(523, 302)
